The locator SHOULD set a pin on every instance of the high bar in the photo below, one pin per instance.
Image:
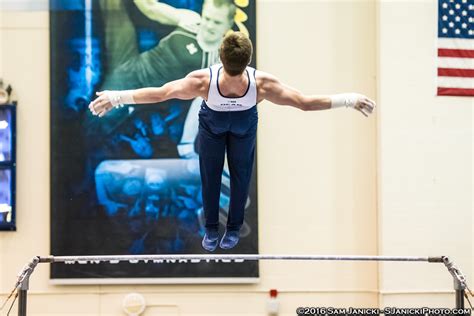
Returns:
(229, 257)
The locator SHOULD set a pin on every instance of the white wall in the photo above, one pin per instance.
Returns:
(24, 5)
(425, 159)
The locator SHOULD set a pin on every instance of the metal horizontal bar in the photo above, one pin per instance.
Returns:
(234, 257)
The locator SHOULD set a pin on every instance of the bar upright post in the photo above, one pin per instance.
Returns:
(23, 285)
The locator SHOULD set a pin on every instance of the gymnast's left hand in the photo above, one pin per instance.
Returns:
(102, 104)
(364, 105)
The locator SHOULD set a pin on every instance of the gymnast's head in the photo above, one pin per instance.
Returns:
(236, 53)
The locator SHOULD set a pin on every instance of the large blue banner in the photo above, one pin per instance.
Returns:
(129, 183)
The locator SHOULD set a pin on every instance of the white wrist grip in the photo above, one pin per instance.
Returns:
(344, 100)
(119, 98)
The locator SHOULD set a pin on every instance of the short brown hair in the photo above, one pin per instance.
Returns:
(236, 52)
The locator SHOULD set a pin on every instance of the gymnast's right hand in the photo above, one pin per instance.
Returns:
(109, 99)
(102, 104)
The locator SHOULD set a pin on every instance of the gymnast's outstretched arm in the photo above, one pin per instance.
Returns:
(271, 89)
(195, 84)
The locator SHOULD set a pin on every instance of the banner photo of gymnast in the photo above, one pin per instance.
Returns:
(129, 183)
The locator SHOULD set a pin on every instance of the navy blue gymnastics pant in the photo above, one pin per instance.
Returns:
(235, 133)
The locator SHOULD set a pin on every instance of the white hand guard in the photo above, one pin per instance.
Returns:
(345, 99)
(120, 98)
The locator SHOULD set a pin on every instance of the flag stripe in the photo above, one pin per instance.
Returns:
(463, 53)
(455, 82)
(459, 63)
(453, 72)
(455, 91)
(455, 43)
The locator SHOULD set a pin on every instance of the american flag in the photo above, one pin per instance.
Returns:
(456, 47)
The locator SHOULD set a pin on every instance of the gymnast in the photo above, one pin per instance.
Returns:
(228, 123)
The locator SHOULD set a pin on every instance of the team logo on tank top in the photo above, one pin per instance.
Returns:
(219, 102)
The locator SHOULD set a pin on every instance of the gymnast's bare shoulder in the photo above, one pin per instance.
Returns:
(264, 83)
(201, 80)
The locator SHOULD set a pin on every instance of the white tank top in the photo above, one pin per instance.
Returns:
(218, 102)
